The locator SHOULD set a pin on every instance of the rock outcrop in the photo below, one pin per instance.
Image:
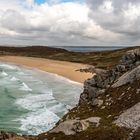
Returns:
(71, 127)
(128, 77)
(127, 71)
(108, 108)
(130, 118)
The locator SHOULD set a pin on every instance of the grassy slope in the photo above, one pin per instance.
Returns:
(107, 130)
(99, 59)
(122, 98)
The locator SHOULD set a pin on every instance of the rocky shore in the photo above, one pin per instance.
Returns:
(108, 109)
(127, 71)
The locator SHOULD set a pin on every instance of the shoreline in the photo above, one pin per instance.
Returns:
(62, 68)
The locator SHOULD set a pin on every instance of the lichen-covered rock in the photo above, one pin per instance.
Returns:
(130, 118)
(97, 102)
(127, 71)
(131, 57)
(128, 77)
(71, 127)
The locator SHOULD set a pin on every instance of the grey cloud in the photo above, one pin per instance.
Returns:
(118, 4)
(59, 25)
(116, 20)
(13, 20)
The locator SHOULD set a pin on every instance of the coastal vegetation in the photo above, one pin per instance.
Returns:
(102, 59)
(108, 108)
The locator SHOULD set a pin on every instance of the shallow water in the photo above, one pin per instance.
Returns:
(32, 101)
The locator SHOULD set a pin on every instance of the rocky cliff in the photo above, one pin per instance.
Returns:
(109, 107)
(128, 70)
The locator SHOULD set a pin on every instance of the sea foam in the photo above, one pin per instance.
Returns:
(34, 102)
(25, 87)
(40, 98)
(7, 66)
(3, 73)
(14, 79)
(39, 121)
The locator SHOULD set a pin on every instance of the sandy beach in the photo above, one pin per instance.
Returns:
(63, 68)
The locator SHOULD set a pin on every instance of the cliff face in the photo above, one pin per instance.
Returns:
(127, 71)
(109, 107)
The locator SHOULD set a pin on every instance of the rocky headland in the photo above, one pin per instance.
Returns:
(108, 109)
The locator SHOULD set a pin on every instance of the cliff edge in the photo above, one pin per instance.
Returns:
(108, 109)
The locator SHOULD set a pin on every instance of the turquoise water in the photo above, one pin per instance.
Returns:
(32, 101)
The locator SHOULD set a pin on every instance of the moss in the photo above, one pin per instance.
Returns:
(118, 99)
(107, 130)
(100, 133)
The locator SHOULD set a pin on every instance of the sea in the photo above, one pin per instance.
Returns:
(90, 48)
(33, 101)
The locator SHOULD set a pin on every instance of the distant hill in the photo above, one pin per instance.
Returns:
(109, 107)
(103, 59)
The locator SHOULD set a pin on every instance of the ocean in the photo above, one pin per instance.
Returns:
(90, 48)
(32, 101)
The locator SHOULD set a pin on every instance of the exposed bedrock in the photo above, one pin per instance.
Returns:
(71, 127)
(127, 71)
(128, 77)
(130, 118)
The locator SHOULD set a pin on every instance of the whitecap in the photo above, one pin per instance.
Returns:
(58, 108)
(25, 87)
(14, 79)
(38, 122)
(8, 66)
(3, 73)
(46, 98)
(33, 102)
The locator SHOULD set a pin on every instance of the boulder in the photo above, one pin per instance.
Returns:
(97, 102)
(128, 77)
(130, 118)
(127, 71)
(71, 127)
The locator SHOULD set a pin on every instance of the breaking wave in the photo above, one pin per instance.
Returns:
(33, 100)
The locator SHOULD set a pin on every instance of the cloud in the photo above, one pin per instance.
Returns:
(55, 22)
(118, 16)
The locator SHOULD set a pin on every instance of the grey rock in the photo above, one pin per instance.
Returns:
(121, 68)
(121, 74)
(132, 56)
(97, 102)
(137, 63)
(130, 118)
(71, 127)
(128, 77)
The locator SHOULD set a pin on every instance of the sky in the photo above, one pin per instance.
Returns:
(70, 22)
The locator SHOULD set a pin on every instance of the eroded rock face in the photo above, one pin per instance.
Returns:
(131, 57)
(71, 127)
(127, 71)
(130, 118)
(128, 77)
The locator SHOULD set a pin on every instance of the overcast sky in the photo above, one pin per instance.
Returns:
(70, 22)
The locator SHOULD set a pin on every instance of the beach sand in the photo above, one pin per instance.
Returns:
(63, 68)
